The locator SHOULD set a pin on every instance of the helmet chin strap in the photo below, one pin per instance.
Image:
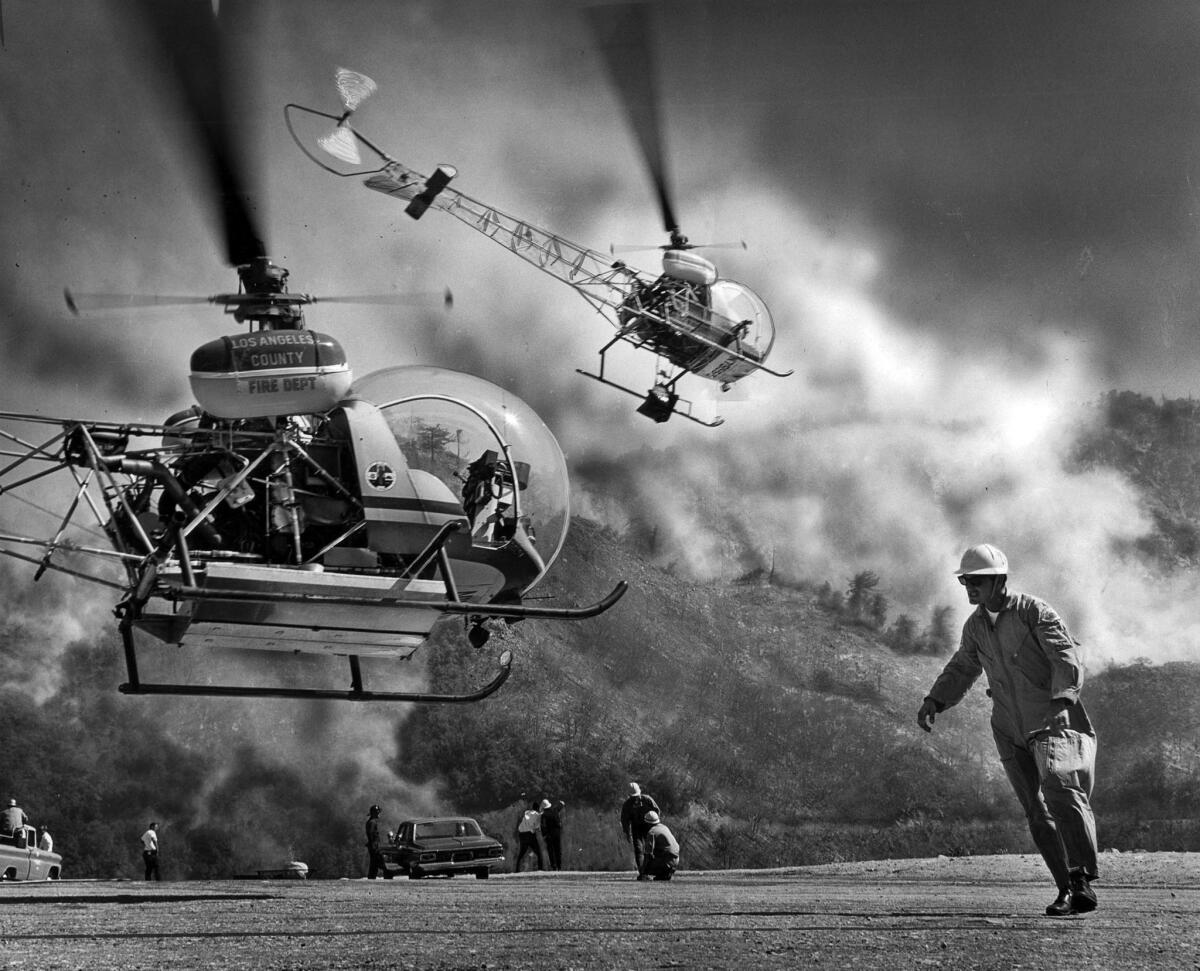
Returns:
(998, 594)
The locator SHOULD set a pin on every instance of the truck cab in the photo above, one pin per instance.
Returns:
(20, 858)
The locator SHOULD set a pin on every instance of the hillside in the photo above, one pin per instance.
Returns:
(772, 727)
(771, 730)
(754, 714)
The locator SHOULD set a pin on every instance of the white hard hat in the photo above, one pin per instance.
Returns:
(984, 559)
(651, 816)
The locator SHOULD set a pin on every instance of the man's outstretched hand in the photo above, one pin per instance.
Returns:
(927, 713)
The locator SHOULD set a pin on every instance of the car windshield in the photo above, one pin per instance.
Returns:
(443, 828)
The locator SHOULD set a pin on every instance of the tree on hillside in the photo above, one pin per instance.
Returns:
(939, 638)
(878, 611)
(832, 600)
(858, 594)
(902, 635)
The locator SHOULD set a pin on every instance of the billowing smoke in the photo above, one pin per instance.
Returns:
(891, 452)
(893, 230)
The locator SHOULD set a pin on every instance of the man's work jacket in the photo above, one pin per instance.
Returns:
(1030, 659)
(663, 845)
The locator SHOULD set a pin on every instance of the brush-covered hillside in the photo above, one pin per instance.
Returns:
(771, 729)
(774, 722)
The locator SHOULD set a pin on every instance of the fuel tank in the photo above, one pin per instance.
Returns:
(268, 373)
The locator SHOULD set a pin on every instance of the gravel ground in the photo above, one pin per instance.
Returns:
(975, 912)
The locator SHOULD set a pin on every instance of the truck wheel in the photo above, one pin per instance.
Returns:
(482, 873)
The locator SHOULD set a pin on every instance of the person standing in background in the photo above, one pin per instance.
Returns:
(375, 860)
(150, 852)
(552, 826)
(527, 835)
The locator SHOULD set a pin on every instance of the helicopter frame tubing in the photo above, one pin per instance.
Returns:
(173, 582)
(609, 286)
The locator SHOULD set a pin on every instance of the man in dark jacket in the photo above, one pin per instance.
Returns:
(1042, 732)
(633, 821)
(376, 859)
(552, 824)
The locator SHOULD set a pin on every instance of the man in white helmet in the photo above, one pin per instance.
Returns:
(1046, 742)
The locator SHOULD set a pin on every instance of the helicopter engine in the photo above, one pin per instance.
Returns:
(268, 373)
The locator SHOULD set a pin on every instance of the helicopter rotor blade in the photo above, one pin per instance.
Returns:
(615, 248)
(394, 299)
(624, 36)
(86, 303)
(187, 34)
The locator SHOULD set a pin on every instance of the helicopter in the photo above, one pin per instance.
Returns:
(694, 321)
(292, 508)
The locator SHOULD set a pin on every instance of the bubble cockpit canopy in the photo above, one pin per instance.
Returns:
(446, 420)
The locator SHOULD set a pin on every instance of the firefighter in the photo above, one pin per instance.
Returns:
(1043, 735)
(375, 864)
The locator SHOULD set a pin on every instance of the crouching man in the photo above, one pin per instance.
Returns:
(662, 850)
(1043, 736)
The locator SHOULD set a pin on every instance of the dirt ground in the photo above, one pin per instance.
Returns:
(975, 912)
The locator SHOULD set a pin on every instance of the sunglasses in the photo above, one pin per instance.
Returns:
(974, 581)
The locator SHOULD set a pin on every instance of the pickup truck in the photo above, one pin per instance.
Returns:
(20, 859)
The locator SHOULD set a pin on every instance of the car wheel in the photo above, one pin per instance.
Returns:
(482, 873)
(414, 873)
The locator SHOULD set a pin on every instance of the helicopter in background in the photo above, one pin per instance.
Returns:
(292, 509)
(694, 321)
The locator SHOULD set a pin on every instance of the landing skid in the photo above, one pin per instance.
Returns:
(357, 691)
(667, 410)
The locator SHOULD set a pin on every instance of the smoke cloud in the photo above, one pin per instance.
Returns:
(950, 209)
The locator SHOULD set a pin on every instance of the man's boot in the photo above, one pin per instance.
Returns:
(1083, 897)
(1061, 906)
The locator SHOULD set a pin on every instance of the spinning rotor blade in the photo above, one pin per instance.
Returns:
(82, 303)
(615, 248)
(188, 36)
(624, 35)
(395, 299)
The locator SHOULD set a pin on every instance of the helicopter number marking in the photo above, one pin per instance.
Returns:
(380, 476)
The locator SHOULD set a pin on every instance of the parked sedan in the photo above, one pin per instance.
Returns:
(441, 846)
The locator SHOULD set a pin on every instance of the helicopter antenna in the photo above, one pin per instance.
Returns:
(624, 35)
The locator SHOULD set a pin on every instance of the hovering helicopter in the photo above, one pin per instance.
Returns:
(292, 508)
(692, 319)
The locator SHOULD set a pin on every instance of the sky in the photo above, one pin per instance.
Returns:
(969, 220)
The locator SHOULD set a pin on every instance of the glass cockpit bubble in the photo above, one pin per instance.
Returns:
(444, 420)
(739, 303)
